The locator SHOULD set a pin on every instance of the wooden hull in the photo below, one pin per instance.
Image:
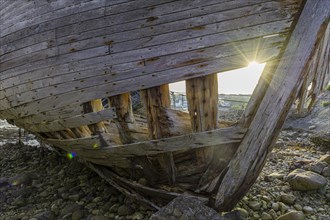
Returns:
(59, 59)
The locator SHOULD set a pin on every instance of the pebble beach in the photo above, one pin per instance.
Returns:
(40, 183)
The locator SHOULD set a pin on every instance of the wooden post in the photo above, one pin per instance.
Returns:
(251, 155)
(124, 111)
(202, 97)
(156, 100)
(94, 106)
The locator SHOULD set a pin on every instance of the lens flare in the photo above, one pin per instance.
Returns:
(71, 155)
(95, 145)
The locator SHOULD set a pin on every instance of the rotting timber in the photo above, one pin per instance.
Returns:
(60, 59)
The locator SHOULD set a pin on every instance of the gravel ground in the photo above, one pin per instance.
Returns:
(37, 183)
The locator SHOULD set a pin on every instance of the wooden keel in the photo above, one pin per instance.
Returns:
(251, 155)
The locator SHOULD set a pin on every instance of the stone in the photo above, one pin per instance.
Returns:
(271, 177)
(99, 217)
(185, 204)
(4, 182)
(123, 210)
(97, 199)
(266, 216)
(287, 199)
(312, 127)
(20, 201)
(45, 215)
(114, 208)
(24, 179)
(308, 210)
(327, 197)
(75, 197)
(96, 212)
(305, 180)
(317, 167)
(70, 208)
(293, 215)
(325, 158)
(283, 207)
(275, 206)
(137, 216)
(243, 213)
(107, 206)
(321, 139)
(234, 215)
(54, 208)
(78, 214)
(177, 212)
(273, 213)
(91, 206)
(254, 205)
(326, 171)
(298, 207)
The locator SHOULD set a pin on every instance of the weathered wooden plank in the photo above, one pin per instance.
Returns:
(198, 44)
(244, 168)
(204, 12)
(219, 137)
(148, 43)
(49, 23)
(47, 36)
(164, 14)
(13, 40)
(170, 32)
(63, 73)
(47, 12)
(73, 122)
(139, 18)
(180, 73)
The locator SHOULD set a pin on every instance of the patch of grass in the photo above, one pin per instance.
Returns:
(325, 103)
(327, 87)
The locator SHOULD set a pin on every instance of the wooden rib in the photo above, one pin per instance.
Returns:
(73, 122)
(125, 123)
(95, 106)
(202, 97)
(155, 100)
(251, 155)
(322, 58)
(141, 189)
(218, 137)
(123, 105)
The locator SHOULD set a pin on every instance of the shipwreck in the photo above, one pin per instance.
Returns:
(67, 70)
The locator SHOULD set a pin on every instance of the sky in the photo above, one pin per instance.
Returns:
(239, 81)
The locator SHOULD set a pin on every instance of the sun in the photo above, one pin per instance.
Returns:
(253, 64)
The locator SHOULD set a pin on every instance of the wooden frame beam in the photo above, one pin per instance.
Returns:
(251, 155)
